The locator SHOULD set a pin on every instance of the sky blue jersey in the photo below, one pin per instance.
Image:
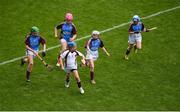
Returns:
(34, 41)
(136, 27)
(67, 30)
(95, 44)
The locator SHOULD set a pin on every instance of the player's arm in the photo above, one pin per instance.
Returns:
(28, 48)
(82, 58)
(87, 45)
(43, 42)
(61, 63)
(73, 37)
(104, 49)
(74, 32)
(144, 29)
(62, 56)
(56, 34)
(130, 29)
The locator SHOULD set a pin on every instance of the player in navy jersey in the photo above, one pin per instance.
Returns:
(67, 34)
(135, 38)
(92, 46)
(33, 41)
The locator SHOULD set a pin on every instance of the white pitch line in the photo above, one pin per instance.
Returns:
(103, 31)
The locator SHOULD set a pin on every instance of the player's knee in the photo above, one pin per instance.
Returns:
(29, 68)
(91, 68)
(31, 63)
(139, 47)
(78, 80)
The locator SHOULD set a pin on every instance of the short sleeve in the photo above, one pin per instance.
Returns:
(63, 54)
(74, 30)
(130, 28)
(101, 44)
(27, 41)
(79, 53)
(142, 29)
(59, 26)
(42, 40)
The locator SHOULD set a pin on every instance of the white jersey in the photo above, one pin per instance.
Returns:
(70, 59)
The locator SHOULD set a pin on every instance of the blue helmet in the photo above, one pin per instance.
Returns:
(136, 18)
(71, 44)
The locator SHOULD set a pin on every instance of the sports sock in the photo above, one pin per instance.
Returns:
(67, 79)
(135, 47)
(28, 75)
(79, 84)
(92, 75)
(127, 52)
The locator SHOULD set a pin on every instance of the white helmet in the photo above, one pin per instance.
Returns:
(136, 17)
(95, 32)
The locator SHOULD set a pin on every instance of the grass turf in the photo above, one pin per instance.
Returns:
(148, 81)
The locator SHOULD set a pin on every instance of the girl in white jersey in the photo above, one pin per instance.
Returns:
(70, 64)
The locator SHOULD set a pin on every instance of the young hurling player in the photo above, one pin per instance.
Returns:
(135, 38)
(67, 34)
(70, 64)
(32, 42)
(92, 46)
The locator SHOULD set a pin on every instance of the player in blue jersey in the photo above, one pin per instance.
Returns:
(67, 34)
(92, 46)
(135, 38)
(33, 41)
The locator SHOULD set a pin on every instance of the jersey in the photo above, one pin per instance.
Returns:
(136, 27)
(70, 58)
(67, 30)
(95, 44)
(34, 41)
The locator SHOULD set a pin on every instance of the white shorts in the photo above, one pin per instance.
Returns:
(30, 53)
(133, 38)
(62, 40)
(92, 55)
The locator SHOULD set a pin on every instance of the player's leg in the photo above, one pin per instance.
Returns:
(87, 62)
(135, 48)
(29, 68)
(67, 82)
(131, 42)
(91, 66)
(130, 46)
(63, 47)
(76, 75)
(24, 60)
(138, 42)
(138, 45)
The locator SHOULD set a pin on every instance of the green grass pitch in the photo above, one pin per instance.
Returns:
(150, 80)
